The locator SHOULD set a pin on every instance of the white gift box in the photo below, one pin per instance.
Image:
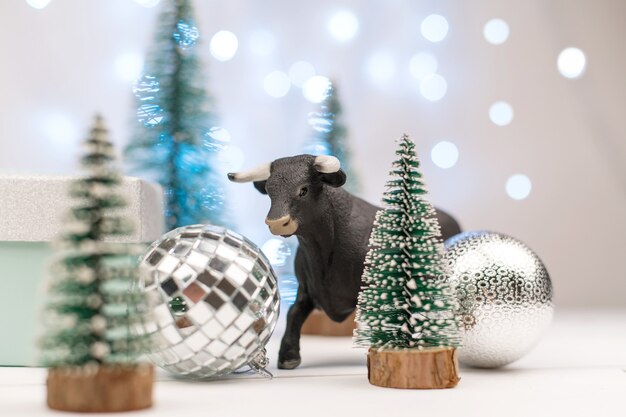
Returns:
(33, 210)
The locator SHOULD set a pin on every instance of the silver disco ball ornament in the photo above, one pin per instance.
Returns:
(215, 301)
(504, 296)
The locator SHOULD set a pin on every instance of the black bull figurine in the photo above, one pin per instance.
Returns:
(333, 228)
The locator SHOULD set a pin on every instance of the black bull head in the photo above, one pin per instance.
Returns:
(293, 185)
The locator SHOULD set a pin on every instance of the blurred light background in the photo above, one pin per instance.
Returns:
(517, 107)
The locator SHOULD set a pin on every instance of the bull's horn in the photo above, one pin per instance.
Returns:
(327, 164)
(258, 173)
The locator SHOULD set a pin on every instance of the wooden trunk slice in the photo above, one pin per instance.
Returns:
(104, 389)
(319, 324)
(430, 368)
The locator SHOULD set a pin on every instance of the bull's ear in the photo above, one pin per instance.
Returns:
(334, 179)
(260, 186)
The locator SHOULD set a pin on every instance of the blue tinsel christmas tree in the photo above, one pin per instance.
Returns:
(330, 136)
(172, 143)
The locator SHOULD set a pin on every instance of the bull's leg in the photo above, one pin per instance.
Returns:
(289, 354)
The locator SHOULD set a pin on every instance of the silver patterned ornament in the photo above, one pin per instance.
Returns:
(215, 301)
(504, 296)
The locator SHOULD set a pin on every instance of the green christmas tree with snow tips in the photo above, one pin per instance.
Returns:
(405, 301)
(93, 315)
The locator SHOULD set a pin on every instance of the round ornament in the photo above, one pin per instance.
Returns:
(215, 301)
(504, 296)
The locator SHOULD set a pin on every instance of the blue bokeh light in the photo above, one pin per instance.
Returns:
(149, 112)
(186, 34)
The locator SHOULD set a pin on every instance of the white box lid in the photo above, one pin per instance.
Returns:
(33, 208)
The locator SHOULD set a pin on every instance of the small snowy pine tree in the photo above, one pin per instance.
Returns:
(405, 301)
(92, 308)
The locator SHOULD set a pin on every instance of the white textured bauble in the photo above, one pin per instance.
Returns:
(504, 295)
(215, 301)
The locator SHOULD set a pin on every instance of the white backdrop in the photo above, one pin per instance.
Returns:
(72, 58)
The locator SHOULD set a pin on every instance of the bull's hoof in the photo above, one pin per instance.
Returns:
(289, 363)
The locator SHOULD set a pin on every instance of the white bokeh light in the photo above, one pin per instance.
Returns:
(433, 87)
(230, 159)
(224, 45)
(300, 71)
(147, 3)
(518, 186)
(423, 64)
(128, 66)
(571, 62)
(343, 25)
(276, 251)
(315, 89)
(59, 128)
(219, 134)
(501, 113)
(444, 154)
(496, 31)
(38, 4)
(277, 84)
(381, 67)
(434, 28)
(262, 42)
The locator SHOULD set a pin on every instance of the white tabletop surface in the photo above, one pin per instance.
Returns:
(578, 369)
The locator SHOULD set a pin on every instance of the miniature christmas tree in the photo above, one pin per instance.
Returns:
(93, 316)
(330, 136)
(173, 142)
(405, 302)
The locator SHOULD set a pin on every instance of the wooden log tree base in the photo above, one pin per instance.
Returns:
(430, 368)
(107, 388)
(319, 324)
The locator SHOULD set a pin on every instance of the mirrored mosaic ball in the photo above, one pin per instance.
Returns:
(215, 301)
(504, 296)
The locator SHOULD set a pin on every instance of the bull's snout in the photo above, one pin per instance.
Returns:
(285, 226)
